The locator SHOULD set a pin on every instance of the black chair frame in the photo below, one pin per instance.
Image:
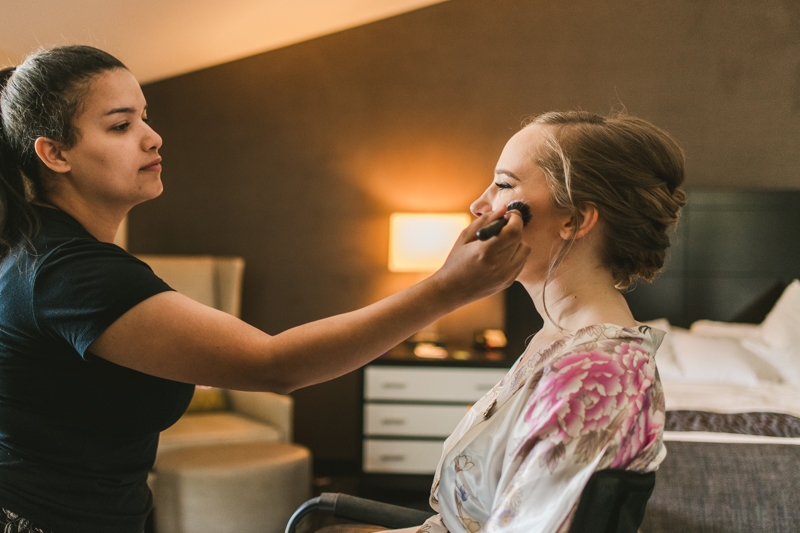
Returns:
(613, 501)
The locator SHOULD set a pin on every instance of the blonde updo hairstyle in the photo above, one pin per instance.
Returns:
(631, 170)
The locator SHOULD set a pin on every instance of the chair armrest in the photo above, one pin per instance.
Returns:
(378, 513)
(270, 408)
(360, 510)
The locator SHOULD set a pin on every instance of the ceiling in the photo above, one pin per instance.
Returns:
(160, 39)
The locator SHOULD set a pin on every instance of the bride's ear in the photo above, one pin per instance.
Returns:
(589, 216)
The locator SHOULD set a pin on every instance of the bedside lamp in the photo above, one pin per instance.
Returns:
(420, 243)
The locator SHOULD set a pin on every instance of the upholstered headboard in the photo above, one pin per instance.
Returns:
(731, 256)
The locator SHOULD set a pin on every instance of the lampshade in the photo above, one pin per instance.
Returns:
(421, 242)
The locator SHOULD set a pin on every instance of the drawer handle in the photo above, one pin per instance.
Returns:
(393, 421)
(392, 458)
(393, 385)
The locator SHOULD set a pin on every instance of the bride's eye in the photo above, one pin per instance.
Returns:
(503, 185)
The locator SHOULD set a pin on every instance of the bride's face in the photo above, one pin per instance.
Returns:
(517, 177)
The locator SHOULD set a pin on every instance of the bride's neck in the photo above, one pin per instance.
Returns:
(578, 297)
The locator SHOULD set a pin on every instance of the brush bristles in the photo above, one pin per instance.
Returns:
(523, 209)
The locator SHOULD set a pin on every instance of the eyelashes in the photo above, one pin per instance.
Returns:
(126, 125)
(518, 205)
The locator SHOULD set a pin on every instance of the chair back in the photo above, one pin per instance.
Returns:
(214, 281)
(613, 501)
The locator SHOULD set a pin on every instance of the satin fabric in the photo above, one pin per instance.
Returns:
(519, 459)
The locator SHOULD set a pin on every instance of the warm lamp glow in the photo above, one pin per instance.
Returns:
(421, 242)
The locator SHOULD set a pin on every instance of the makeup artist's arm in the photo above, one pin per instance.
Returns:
(172, 336)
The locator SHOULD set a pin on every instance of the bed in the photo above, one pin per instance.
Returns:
(733, 440)
(730, 365)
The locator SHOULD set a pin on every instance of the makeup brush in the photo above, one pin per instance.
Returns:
(487, 232)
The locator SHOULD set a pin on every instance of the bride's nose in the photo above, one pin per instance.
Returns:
(480, 206)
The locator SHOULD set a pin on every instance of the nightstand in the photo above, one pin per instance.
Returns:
(411, 405)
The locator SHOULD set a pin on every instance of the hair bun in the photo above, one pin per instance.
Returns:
(640, 170)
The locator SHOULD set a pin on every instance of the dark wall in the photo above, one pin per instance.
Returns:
(295, 158)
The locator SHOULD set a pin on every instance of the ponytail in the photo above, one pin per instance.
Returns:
(18, 220)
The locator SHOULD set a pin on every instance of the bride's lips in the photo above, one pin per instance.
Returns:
(153, 166)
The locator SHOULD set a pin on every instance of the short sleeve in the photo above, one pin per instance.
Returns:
(84, 286)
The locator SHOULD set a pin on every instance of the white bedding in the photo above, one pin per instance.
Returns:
(730, 368)
(731, 398)
(707, 436)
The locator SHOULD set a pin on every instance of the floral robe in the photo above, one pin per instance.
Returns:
(520, 458)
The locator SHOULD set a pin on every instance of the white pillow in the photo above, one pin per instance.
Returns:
(720, 360)
(668, 368)
(785, 360)
(659, 323)
(781, 327)
(731, 330)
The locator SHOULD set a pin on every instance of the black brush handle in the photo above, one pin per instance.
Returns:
(487, 232)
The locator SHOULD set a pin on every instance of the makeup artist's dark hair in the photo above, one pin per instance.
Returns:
(39, 98)
(631, 170)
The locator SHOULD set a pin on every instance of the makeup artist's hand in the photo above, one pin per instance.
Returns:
(476, 269)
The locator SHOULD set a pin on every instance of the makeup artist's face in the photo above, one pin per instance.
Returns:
(518, 178)
(116, 157)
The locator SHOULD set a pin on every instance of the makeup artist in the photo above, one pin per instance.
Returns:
(97, 354)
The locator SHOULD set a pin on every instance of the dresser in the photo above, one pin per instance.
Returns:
(412, 405)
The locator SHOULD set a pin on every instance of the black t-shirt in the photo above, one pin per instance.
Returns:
(78, 434)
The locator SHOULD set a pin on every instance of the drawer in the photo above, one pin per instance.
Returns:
(412, 420)
(401, 456)
(429, 384)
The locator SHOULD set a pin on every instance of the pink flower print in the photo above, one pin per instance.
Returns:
(643, 434)
(590, 396)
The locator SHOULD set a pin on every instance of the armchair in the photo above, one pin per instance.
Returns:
(219, 416)
(231, 450)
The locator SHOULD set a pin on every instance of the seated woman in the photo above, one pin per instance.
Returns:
(585, 394)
